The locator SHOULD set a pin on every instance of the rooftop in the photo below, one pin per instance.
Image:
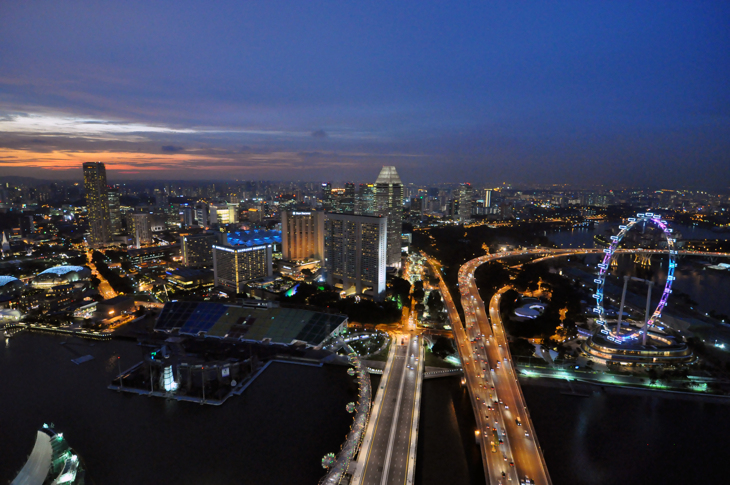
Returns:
(253, 238)
(62, 270)
(4, 280)
(388, 175)
(281, 325)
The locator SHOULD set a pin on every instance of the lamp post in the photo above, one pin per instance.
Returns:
(119, 366)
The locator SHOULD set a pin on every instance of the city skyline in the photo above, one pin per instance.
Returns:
(576, 93)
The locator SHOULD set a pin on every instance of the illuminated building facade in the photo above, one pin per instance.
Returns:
(356, 252)
(97, 203)
(235, 266)
(246, 256)
(197, 249)
(302, 235)
(389, 203)
(463, 213)
(115, 217)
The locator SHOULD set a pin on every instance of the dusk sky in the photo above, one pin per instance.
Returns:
(629, 92)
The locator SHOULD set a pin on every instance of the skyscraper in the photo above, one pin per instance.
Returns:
(142, 229)
(365, 200)
(463, 213)
(97, 203)
(302, 235)
(355, 253)
(197, 249)
(115, 217)
(487, 198)
(389, 203)
(327, 196)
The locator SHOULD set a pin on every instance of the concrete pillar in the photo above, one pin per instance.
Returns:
(647, 316)
(621, 308)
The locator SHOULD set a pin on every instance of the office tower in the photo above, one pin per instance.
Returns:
(356, 253)
(197, 249)
(487, 198)
(27, 225)
(115, 217)
(246, 256)
(347, 201)
(188, 216)
(201, 214)
(302, 235)
(97, 203)
(141, 229)
(417, 206)
(365, 200)
(389, 203)
(463, 211)
(326, 196)
(223, 213)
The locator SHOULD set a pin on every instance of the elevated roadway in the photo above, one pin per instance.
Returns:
(388, 453)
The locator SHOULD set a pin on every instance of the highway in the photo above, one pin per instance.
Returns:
(490, 375)
(389, 446)
(509, 450)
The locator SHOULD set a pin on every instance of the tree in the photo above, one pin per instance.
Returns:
(401, 287)
(442, 347)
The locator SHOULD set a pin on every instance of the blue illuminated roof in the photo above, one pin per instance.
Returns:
(4, 280)
(253, 238)
(61, 270)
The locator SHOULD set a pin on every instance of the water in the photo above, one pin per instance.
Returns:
(447, 451)
(705, 286)
(627, 436)
(276, 432)
(583, 237)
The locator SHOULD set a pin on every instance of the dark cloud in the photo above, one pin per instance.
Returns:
(319, 134)
(172, 149)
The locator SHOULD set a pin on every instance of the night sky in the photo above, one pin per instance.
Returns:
(616, 92)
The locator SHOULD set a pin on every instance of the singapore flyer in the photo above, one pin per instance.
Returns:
(604, 266)
(635, 343)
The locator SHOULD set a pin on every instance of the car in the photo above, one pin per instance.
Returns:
(506, 407)
(527, 435)
(519, 423)
(511, 463)
(501, 441)
(504, 474)
(492, 369)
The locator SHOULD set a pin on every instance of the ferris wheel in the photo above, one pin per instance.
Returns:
(605, 264)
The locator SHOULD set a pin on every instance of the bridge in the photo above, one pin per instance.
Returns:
(483, 348)
(388, 454)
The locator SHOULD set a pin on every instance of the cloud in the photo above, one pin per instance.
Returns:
(172, 149)
(319, 134)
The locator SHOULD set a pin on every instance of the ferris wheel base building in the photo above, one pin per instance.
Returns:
(661, 351)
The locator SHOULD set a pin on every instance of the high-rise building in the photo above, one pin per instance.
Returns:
(115, 216)
(463, 212)
(141, 229)
(365, 200)
(487, 198)
(302, 235)
(356, 253)
(223, 213)
(389, 203)
(97, 203)
(246, 256)
(327, 196)
(197, 249)
(347, 201)
(201, 214)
